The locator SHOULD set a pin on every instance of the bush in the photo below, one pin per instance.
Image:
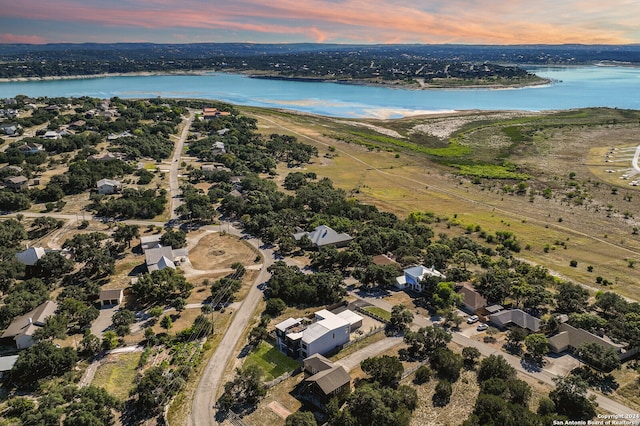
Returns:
(442, 396)
(423, 375)
(573, 263)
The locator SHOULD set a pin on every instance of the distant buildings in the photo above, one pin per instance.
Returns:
(212, 113)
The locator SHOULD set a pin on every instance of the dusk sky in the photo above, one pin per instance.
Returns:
(329, 21)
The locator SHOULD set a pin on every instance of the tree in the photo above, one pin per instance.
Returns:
(161, 286)
(123, 317)
(244, 391)
(515, 337)
(90, 344)
(275, 307)
(571, 298)
(40, 361)
(442, 394)
(109, 340)
(301, 418)
(495, 366)
(385, 369)
(537, 345)
(465, 257)
(598, 357)
(447, 364)
(166, 322)
(425, 341)
(175, 239)
(569, 397)
(401, 318)
(423, 375)
(52, 266)
(55, 327)
(470, 356)
(126, 233)
(445, 295)
(179, 303)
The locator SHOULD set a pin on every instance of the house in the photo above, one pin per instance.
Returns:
(218, 148)
(16, 182)
(30, 148)
(413, 276)
(51, 134)
(214, 167)
(570, 338)
(30, 256)
(22, 328)
(324, 379)
(6, 364)
(211, 113)
(160, 258)
(324, 236)
(297, 338)
(106, 156)
(76, 124)
(111, 297)
(518, 317)
(113, 136)
(108, 186)
(150, 242)
(9, 129)
(472, 301)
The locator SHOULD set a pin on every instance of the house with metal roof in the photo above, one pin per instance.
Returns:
(108, 186)
(325, 236)
(30, 256)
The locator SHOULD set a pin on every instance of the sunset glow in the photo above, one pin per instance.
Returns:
(331, 21)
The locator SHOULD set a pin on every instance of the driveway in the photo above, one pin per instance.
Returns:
(103, 322)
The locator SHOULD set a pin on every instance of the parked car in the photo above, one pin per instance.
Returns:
(482, 327)
(472, 319)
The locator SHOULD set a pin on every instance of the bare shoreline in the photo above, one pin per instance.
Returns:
(253, 74)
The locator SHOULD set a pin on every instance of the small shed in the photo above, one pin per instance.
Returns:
(111, 297)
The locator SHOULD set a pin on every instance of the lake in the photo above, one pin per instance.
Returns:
(572, 87)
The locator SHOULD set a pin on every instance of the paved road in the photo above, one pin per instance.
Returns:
(543, 375)
(174, 185)
(203, 411)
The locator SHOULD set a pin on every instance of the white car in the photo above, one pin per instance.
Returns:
(482, 327)
(472, 319)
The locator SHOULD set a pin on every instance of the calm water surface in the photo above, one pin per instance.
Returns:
(573, 87)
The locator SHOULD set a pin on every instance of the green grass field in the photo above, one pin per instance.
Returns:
(273, 362)
(117, 375)
(379, 312)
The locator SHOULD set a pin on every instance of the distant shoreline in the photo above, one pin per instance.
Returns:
(421, 85)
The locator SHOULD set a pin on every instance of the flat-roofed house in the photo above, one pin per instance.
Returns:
(22, 328)
(297, 338)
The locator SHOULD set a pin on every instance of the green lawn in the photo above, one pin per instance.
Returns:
(117, 376)
(379, 312)
(273, 362)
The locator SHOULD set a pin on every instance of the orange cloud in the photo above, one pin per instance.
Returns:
(16, 39)
(453, 21)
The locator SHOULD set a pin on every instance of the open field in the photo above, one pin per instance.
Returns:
(565, 200)
(117, 374)
(270, 360)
